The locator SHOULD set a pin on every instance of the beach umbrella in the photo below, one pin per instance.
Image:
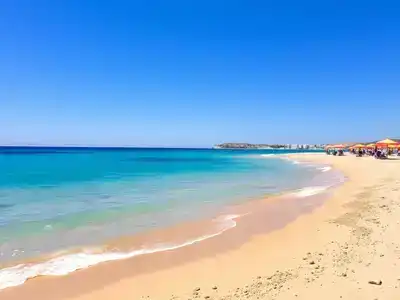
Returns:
(357, 146)
(371, 146)
(338, 146)
(394, 146)
(386, 143)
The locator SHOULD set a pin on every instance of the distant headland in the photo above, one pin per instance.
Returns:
(269, 146)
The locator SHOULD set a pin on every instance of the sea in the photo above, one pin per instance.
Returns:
(59, 204)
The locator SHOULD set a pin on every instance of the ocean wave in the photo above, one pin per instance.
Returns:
(295, 162)
(306, 164)
(325, 169)
(63, 265)
(310, 191)
(267, 155)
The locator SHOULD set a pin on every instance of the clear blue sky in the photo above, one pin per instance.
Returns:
(195, 73)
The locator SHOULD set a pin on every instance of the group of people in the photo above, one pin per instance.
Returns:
(335, 152)
(376, 152)
(359, 152)
(380, 150)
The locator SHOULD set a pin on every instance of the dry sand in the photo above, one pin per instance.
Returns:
(347, 249)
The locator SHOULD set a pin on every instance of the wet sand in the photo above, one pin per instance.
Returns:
(347, 242)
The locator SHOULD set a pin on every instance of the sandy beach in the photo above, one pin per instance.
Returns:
(346, 248)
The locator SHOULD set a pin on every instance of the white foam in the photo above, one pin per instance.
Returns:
(325, 169)
(295, 162)
(48, 227)
(69, 263)
(310, 191)
(267, 155)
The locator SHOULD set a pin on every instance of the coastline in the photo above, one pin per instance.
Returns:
(129, 193)
(262, 255)
(181, 235)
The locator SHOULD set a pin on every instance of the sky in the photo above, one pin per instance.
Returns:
(196, 73)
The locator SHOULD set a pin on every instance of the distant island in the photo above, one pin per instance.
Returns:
(269, 146)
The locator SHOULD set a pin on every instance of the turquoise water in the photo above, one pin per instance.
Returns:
(57, 198)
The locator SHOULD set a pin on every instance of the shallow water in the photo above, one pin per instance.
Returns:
(54, 199)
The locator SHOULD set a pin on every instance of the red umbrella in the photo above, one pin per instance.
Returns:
(386, 143)
(338, 146)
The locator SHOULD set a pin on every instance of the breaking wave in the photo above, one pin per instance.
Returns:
(63, 265)
(310, 191)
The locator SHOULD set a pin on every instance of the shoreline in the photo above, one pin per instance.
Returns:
(93, 230)
(121, 249)
(283, 262)
(180, 235)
